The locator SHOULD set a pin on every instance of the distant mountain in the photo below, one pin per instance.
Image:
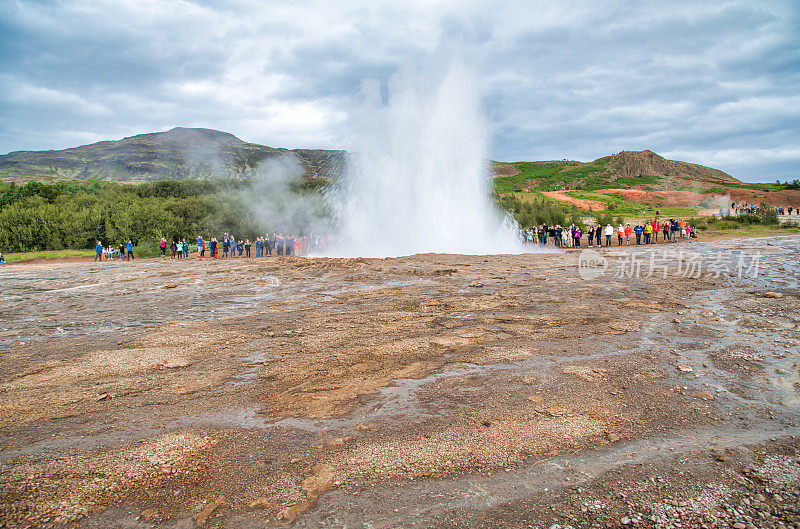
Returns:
(194, 153)
(180, 153)
(607, 170)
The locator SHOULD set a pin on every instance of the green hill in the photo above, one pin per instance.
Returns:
(624, 170)
(180, 153)
(634, 181)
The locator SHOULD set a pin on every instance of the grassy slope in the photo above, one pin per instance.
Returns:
(548, 176)
(140, 251)
(735, 230)
(54, 254)
(536, 177)
(584, 179)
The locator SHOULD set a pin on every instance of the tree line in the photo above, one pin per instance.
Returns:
(73, 215)
(68, 215)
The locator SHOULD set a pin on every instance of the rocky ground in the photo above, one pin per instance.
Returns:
(655, 390)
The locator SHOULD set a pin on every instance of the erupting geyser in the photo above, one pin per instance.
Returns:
(418, 179)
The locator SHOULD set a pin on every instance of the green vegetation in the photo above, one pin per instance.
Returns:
(722, 228)
(549, 176)
(794, 184)
(538, 210)
(760, 187)
(604, 219)
(43, 220)
(537, 172)
(630, 209)
(37, 217)
(768, 217)
(27, 256)
(630, 181)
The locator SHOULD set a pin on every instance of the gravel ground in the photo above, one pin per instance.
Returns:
(430, 390)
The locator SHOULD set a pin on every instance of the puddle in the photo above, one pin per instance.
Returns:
(244, 418)
(252, 366)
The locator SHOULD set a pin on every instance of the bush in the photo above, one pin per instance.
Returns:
(604, 219)
(147, 249)
(700, 223)
(538, 211)
(766, 216)
(37, 216)
(727, 225)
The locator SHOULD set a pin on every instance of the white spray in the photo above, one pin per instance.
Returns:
(418, 179)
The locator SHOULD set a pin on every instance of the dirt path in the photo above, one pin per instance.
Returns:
(431, 390)
(588, 205)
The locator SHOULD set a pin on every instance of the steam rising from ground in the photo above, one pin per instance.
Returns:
(417, 179)
(280, 208)
(716, 201)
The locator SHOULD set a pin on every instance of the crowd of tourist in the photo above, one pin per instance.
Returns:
(229, 247)
(745, 208)
(597, 235)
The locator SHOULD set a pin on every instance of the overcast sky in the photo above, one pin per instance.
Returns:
(710, 82)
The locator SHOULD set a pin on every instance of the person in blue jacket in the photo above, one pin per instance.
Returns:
(98, 251)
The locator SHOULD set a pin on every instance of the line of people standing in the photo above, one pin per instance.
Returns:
(597, 235)
(277, 244)
(178, 247)
(123, 252)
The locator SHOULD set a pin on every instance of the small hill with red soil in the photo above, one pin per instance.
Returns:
(635, 177)
(638, 163)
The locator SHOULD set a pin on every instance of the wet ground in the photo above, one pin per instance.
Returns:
(635, 387)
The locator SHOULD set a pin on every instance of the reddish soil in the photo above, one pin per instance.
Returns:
(663, 198)
(589, 205)
(775, 198)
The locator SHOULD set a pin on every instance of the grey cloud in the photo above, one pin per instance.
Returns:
(578, 80)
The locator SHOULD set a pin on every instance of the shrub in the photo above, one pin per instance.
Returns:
(539, 210)
(766, 216)
(607, 218)
(38, 216)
